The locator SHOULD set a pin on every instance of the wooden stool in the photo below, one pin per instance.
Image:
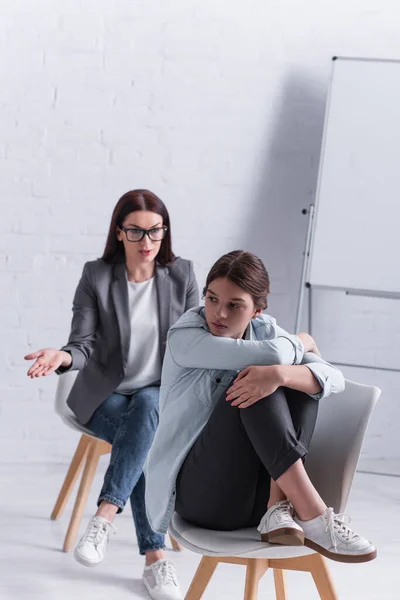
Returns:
(255, 569)
(87, 457)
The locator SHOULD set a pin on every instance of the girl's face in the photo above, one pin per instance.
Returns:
(229, 309)
(146, 250)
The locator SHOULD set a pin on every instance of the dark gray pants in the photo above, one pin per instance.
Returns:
(224, 481)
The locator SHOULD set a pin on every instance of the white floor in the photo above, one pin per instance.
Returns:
(33, 567)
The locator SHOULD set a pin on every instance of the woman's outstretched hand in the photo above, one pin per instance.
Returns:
(47, 361)
(252, 384)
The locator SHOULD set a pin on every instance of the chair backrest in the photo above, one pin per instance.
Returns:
(336, 445)
(64, 386)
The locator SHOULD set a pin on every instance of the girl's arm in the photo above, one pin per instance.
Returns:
(195, 347)
(299, 377)
(314, 376)
(317, 378)
(330, 378)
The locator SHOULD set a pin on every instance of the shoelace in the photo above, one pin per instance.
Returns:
(96, 532)
(283, 513)
(164, 573)
(338, 523)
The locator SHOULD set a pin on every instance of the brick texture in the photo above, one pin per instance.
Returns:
(216, 106)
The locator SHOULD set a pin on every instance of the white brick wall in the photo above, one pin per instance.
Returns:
(216, 106)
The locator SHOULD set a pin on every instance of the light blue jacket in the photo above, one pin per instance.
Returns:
(198, 367)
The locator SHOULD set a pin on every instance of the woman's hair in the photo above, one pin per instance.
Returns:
(245, 270)
(130, 202)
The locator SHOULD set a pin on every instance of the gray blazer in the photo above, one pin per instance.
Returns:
(100, 331)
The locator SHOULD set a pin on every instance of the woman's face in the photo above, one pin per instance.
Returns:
(146, 250)
(229, 309)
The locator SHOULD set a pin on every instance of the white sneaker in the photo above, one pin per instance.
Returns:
(161, 581)
(91, 549)
(279, 527)
(329, 535)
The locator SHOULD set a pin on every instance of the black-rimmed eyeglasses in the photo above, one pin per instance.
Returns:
(135, 234)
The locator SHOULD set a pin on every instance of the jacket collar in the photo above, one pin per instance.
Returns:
(119, 291)
(164, 293)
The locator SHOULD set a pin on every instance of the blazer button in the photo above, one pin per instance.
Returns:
(218, 380)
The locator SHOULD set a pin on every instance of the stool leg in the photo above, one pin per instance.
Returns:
(71, 477)
(280, 584)
(175, 546)
(322, 578)
(255, 570)
(94, 452)
(202, 577)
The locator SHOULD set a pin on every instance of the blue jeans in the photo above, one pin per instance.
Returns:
(129, 424)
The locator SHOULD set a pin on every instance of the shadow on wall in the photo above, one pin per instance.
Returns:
(286, 183)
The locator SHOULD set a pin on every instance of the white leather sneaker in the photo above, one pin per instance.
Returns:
(161, 581)
(279, 527)
(330, 535)
(91, 548)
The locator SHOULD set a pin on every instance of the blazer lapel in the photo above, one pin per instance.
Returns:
(119, 291)
(164, 288)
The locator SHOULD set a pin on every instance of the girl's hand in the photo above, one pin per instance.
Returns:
(47, 361)
(252, 384)
(308, 343)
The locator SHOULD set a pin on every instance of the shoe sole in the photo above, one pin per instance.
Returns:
(286, 536)
(344, 558)
(85, 561)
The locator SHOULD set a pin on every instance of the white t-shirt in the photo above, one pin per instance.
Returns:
(144, 360)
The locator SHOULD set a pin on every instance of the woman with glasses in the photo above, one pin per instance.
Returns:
(123, 307)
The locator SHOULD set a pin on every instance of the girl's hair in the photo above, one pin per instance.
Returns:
(246, 271)
(130, 202)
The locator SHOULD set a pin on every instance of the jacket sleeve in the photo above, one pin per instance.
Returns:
(194, 347)
(84, 323)
(192, 294)
(329, 377)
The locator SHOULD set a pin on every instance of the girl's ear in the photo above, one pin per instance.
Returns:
(256, 313)
(119, 234)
